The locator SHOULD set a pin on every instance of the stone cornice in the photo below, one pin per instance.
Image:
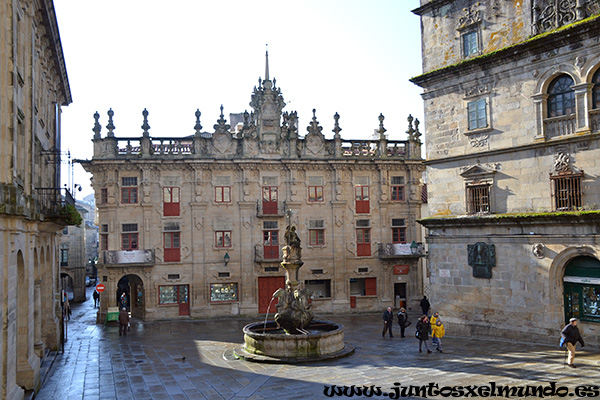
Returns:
(524, 219)
(52, 30)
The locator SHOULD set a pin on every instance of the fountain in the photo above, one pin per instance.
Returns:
(294, 336)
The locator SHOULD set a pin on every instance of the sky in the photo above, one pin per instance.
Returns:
(353, 57)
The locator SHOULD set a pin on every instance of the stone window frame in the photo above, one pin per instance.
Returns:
(398, 228)
(397, 185)
(475, 178)
(316, 227)
(571, 183)
(475, 94)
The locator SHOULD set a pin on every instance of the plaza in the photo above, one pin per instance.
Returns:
(149, 362)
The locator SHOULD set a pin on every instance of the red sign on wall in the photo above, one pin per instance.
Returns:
(100, 288)
(400, 269)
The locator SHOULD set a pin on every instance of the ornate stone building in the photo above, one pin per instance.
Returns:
(512, 112)
(33, 87)
(192, 226)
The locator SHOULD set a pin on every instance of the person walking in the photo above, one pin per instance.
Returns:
(425, 305)
(569, 337)
(423, 330)
(434, 319)
(437, 333)
(403, 321)
(123, 321)
(388, 318)
(96, 297)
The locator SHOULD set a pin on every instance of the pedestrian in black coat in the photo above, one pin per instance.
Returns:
(388, 318)
(403, 321)
(570, 336)
(425, 305)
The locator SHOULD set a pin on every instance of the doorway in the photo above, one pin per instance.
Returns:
(267, 285)
(400, 295)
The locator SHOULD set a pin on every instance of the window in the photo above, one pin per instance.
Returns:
(596, 90)
(172, 237)
(129, 237)
(477, 111)
(398, 230)
(269, 194)
(566, 191)
(222, 189)
(561, 97)
(363, 287)
(316, 233)
(397, 188)
(171, 201)
(173, 294)
(315, 188)
(321, 288)
(129, 190)
(478, 198)
(223, 292)
(270, 240)
(362, 199)
(64, 257)
(103, 196)
(104, 237)
(470, 45)
(223, 239)
(363, 238)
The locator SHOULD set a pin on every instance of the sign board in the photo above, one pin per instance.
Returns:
(100, 288)
(400, 269)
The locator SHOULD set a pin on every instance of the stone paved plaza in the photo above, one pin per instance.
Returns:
(148, 363)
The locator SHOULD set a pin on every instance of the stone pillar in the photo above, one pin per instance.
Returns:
(583, 96)
(540, 105)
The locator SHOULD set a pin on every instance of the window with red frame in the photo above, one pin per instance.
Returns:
(129, 190)
(316, 233)
(222, 194)
(315, 188)
(397, 188)
(171, 201)
(129, 237)
(172, 242)
(223, 239)
(398, 231)
(270, 240)
(363, 238)
(362, 199)
(269, 200)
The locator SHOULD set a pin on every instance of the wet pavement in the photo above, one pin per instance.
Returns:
(193, 359)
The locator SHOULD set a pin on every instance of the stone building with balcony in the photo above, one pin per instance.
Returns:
(512, 104)
(192, 226)
(33, 88)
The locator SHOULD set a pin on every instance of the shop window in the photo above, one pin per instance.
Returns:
(397, 188)
(224, 292)
(173, 294)
(129, 190)
(171, 201)
(363, 286)
(582, 289)
(316, 232)
(321, 288)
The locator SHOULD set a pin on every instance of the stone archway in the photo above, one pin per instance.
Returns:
(131, 287)
(557, 273)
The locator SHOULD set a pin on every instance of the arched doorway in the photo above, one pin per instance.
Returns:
(582, 289)
(130, 294)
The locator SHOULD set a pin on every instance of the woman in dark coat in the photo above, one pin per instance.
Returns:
(423, 331)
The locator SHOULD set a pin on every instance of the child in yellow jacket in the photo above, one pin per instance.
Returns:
(437, 333)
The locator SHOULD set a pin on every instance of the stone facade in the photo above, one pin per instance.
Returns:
(204, 216)
(33, 87)
(511, 95)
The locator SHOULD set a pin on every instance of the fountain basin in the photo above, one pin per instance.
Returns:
(268, 343)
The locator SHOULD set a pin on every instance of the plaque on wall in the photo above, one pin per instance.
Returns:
(482, 257)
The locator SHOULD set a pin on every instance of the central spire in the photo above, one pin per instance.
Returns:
(267, 64)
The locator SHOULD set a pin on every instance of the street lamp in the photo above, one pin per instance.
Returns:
(414, 247)
(226, 258)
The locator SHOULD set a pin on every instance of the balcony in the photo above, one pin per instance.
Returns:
(118, 258)
(400, 250)
(270, 210)
(269, 256)
(50, 201)
(559, 126)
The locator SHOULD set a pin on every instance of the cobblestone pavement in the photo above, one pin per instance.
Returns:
(148, 363)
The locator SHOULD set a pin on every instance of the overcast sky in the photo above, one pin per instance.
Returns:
(353, 57)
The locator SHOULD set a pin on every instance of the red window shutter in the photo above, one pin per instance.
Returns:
(370, 286)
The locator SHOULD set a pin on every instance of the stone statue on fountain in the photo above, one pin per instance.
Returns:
(293, 309)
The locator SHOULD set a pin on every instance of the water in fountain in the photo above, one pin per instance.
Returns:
(267, 316)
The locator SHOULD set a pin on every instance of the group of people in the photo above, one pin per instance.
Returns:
(425, 326)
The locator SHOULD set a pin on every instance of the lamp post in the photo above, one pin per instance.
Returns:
(226, 258)
(414, 247)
